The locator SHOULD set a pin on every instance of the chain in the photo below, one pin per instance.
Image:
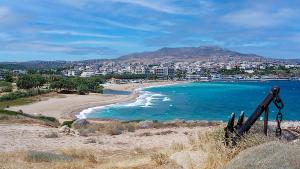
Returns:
(279, 104)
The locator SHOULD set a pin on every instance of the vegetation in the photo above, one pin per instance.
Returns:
(22, 94)
(29, 81)
(8, 77)
(23, 117)
(78, 84)
(17, 102)
(68, 123)
(5, 86)
(40, 156)
(234, 71)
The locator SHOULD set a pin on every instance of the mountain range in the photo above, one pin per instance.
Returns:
(190, 54)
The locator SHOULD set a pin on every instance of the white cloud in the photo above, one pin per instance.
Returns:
(255, 18)
(102, 43)
(74, 33)
(161, 6)
(41, 47)
(5, 37)
(6, 15)
(142, 27)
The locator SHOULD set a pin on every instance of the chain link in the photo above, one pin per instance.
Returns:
(279, 104)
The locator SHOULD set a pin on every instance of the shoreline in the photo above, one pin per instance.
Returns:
(67, 106)
(135, 93)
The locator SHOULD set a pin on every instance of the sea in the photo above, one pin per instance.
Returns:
(211, 101)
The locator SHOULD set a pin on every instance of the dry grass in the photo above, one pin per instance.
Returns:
(218, 154)
(86, 159)
(160, 159)
(177, 147)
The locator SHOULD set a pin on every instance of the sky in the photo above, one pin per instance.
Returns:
(96, 29)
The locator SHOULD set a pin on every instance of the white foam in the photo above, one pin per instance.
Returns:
(145, 99)
(166, 99)
(83, 113)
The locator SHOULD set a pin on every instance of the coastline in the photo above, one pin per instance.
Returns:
(134, 94)
(67, 106)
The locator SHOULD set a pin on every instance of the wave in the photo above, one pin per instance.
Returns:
(166, 99)
(83, 113)
(145, 99)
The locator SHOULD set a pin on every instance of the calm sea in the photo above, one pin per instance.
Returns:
(202, 101)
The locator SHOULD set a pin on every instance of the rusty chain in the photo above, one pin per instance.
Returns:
(279, 104)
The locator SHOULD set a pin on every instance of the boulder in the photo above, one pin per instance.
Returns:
(268, 156)
(80, 123)
(67, 131)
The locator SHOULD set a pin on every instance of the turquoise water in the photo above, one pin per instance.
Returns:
(202, 101)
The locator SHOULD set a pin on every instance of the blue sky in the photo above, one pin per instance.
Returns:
(89, 29)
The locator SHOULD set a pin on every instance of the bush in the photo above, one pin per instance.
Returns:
(115, 129)
(51, 135)
(40, 156)
(160, 159)
(68, 123)
(21, 94)
(5, 86)
(29, 81)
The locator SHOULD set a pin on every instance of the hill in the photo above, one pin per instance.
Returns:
(189, 53)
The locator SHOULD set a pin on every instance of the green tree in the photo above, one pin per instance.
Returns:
(29, 81)
(8, 77)
(82, 89)
(25, 82)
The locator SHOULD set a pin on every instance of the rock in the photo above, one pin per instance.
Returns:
(145, 124)
(268, 156)
(67, 131)
(51, 135)
(89, 141)
(64, 129)
(80, 123)
(189, 159)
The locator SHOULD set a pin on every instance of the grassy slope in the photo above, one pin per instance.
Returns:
(7, 116)
(17, 102)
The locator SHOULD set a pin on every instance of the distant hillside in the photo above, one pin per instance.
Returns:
(187, 53)
(33, 65)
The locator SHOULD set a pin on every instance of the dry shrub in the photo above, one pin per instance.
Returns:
(165, 132)
(87, 155)
(130, 127)
(218, 154)
(51, 135)
(85, 132)
(139, 150)
(145, 134)
(115, 128)
(40, 156)
(177, 147)
(160, 159)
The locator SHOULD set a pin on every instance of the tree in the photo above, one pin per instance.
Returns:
(82, 89)
(8, 77)
(29, 81)
(25, 82)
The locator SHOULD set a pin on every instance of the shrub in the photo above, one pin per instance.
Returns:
(51, 135)
(5, 86)
(218, 154)
(20, 94)
(51, 119)
(130, 127)
(115, 128)
(160, 159)
(40, 156)
(68, 123)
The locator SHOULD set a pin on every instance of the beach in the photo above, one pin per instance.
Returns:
(66, 106)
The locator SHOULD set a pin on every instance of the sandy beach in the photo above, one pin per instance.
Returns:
(65, 106)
